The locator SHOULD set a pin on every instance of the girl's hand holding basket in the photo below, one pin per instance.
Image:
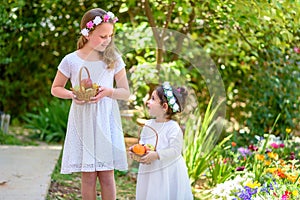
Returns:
(86, 88)
(144, 153)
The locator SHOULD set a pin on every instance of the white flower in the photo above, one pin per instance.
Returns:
(175, 107)
(97, 20)
(169, 93)
(111, 15)
(85, 32)
(172, 101)
(166, 85)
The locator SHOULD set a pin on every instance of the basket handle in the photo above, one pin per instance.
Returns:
(156, 134)
(80, 73)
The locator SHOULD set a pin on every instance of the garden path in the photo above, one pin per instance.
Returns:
(25, 171)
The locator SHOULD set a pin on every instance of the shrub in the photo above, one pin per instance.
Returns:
(49, 121)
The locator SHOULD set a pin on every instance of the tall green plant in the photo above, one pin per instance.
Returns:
(201, 136)
(49, 121)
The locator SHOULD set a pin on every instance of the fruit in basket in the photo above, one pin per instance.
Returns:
(83, 89)
(139, 149)
(87, 83)
(95, 86)
(149, 147)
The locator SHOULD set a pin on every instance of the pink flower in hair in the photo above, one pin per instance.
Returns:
(115, 20)
(90, 24)
(106, 18)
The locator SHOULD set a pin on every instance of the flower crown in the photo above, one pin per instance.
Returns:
(170, 96)
(98, 20)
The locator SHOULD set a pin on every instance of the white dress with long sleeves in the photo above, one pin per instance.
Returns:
(166, 178)
(94, 139)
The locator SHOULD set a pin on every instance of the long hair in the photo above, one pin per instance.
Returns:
(109, 56)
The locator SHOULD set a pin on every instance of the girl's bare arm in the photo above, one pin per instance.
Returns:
(58, 87)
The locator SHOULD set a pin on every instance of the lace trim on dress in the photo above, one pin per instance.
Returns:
(88, 166)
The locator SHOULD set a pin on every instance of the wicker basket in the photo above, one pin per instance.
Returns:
(84, 95)
(137, 157)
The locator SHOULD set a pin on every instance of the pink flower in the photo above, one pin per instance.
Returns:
(275, 146)
(90, 24)
(286, 195)
(297, 50)
(252, 147)
(106, 18)
(115, 20)
(281, 145)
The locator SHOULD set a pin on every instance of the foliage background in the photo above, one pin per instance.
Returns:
(251, 42)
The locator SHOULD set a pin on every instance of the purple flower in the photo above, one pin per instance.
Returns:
(241, 168)
(247, 193)
(268, 150)
(265, 189)
(244, 152)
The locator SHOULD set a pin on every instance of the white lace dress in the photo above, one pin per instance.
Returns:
(167, 178)
(94, 139)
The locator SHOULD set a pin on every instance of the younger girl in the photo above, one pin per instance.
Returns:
(163, 173)
(94, 143)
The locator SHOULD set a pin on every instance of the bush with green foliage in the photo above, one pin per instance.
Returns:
(49, 121)
(201, 140)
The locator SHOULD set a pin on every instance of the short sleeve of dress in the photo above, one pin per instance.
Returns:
(64, 67)
(119, 64)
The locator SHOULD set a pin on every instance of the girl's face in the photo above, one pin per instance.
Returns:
(100, 38)
(155, 108)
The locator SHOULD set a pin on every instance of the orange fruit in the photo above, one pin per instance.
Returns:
(139, 149)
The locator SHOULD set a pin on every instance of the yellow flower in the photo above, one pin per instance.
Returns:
(295, 193)
(260, 157)
(253, 185)
(273, 155)
(271, 170)
(267, 162)
(288, 130)
(291, 178)
(282, 162)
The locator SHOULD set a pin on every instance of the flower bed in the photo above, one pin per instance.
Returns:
(268, 169)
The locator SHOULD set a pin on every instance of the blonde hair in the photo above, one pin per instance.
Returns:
(109, 56)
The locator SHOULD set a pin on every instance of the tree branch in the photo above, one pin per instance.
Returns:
(159, 39)
(184, 30)
(151, 20)
(243, 36)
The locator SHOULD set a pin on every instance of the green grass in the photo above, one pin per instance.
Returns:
(16, 136)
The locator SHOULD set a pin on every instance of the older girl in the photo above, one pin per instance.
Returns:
(94, 143)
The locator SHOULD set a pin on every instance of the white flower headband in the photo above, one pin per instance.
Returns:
(170, 97)
(98, 20)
